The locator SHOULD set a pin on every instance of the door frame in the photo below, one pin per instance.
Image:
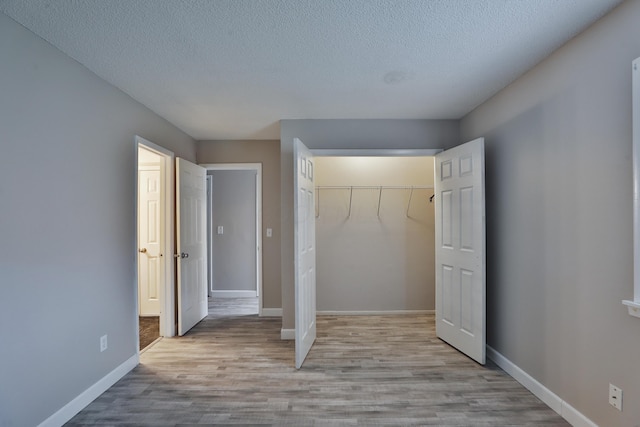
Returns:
(407, 153)
(353, 152)
(209, 184)
(167, 293)
(375, 152)
(257, 167)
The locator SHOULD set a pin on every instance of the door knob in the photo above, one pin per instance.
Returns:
(143, 250)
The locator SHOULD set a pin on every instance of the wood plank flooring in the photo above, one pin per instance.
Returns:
(363, 370)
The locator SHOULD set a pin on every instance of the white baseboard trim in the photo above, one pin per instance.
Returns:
(562, 408)
(69, 410)
(372, 312)
(575, 417)
(271, 312)
(233, 294)
(287, 334)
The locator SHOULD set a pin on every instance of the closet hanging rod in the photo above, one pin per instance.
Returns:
(373, 187)
(369, 187)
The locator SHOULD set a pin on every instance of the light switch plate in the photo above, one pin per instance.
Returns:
(269, 232)
(220, 229)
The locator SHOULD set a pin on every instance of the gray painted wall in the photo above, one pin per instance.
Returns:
(361, 134)
(559, 219)
(233, 253)
(67, 237)
(368, 262)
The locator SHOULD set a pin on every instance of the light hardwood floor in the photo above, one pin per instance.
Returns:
(363, 370)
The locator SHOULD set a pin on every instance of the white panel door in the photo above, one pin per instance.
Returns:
(149, 240)
(191, 200)
(460, 248)
(305, 251)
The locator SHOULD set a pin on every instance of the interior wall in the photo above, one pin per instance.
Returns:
(67, 251)
(267, 153)
(560, 219)
(233, 253)
(346, 134)
(367, 262)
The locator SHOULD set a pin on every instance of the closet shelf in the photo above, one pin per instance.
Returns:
(369, 187)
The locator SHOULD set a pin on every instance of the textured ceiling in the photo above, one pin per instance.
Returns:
(231, 69)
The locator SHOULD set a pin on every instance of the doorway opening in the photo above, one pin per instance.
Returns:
(375, 235)
(155, 306)
(234, 217)
(460, 281)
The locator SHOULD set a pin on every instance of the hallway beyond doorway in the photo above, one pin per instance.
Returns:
(231, 307)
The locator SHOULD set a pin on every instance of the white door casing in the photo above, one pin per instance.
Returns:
(304, 251)
(460, 248)
(191, 200)
(257, 167)
(150, 207)
(209, 236)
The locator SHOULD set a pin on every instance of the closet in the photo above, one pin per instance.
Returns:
(374, 234)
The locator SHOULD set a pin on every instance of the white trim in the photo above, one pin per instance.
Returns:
(167, 292)
(231, 166)
(633, 307)
(562, 408)
(69, 410)
(287, 334)
(635, 119)
(385, 152)
(257, 167)
(209, 235)
(233, 294)
(575, 417)
(271, 312)
(372, 312)
(531, 384)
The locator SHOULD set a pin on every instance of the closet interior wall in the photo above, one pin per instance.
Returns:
(375, 242)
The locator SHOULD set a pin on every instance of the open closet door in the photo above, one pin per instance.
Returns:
(460, 248)
(305, 251)
(191, 200)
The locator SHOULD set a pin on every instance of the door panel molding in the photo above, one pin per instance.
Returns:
(460, 249)
(304, 251)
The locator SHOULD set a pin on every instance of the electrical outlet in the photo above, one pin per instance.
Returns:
(103, 343)
(615, 397)
(220, 229)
